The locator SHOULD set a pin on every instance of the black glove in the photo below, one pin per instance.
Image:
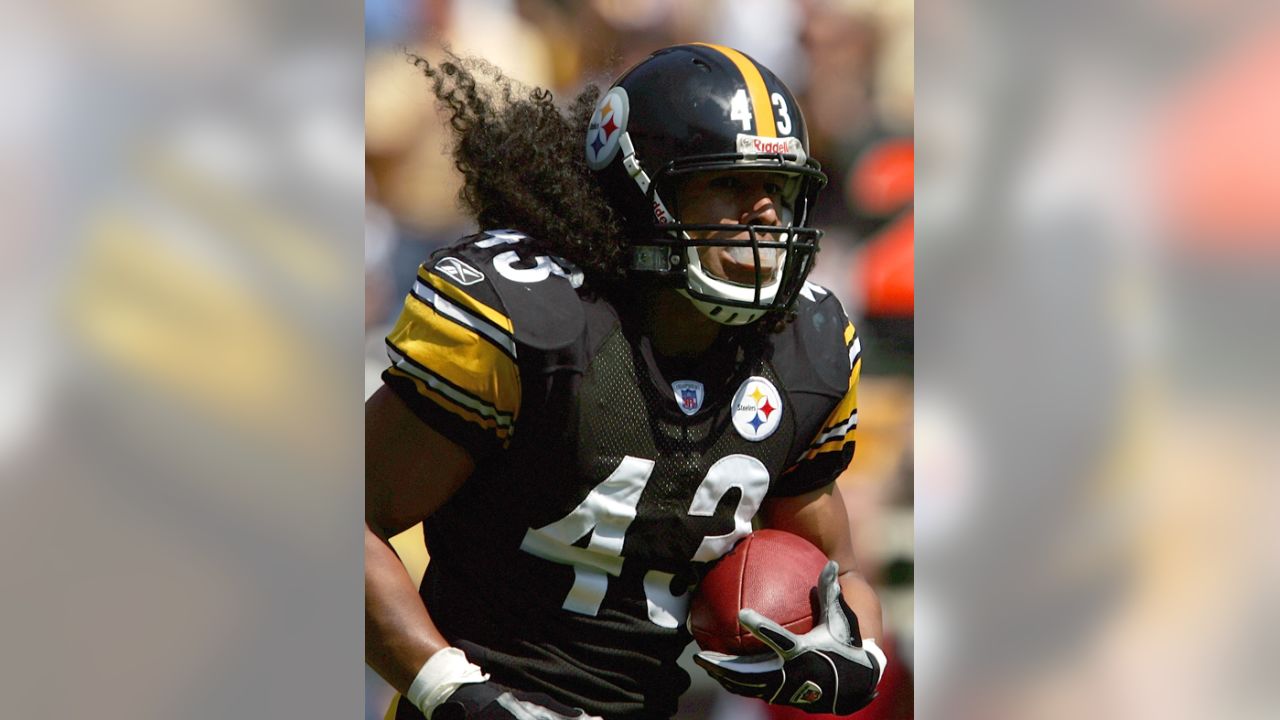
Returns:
(491, 701)
(826, 670)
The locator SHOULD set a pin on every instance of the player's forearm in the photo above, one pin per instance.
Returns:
(864, 603)
(399, 634)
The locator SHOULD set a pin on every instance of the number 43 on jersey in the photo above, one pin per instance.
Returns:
(607, 512)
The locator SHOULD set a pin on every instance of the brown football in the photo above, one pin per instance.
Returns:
(769, 571)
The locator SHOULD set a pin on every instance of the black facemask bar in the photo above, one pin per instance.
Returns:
(664, 253)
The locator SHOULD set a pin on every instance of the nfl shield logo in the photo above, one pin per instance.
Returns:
(688, 399)
(689, 394)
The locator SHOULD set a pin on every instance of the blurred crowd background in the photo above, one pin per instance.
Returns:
(850, 64)
(184, 319)
(1096, 403)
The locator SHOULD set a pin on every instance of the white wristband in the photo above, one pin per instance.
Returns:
(443, 673)
(872, 649)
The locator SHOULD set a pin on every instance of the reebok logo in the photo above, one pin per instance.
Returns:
(459, 271)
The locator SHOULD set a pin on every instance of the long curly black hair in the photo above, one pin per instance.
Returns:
(523, 164)
(524, 167)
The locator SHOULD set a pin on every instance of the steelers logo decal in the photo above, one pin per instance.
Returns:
(757, 409)
(606, 127)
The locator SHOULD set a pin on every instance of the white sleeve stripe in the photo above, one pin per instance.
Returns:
(855, 351)
(464, 317)
(838, 431)
(446, 389)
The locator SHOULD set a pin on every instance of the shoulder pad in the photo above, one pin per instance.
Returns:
(537, 292)
(819, 341)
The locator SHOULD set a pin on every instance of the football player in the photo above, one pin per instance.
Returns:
(592, 400)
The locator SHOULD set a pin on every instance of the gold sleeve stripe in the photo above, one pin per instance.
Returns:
(446, 308)
(455, 360)
(479, 372)
(761, 107)
(445, 387)
(451, 397)
(836, 431)
(461, 299)
(834, 445)
(834, 439)
(843, 420)
(502, 433)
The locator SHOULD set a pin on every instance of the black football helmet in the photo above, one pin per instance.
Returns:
(703, 108)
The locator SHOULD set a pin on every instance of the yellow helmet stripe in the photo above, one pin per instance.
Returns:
(766, 126)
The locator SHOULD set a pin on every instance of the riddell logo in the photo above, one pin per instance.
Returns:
(756, 145)
(659, 213)
(770, 146)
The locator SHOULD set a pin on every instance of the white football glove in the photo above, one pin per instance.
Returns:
(829, 669)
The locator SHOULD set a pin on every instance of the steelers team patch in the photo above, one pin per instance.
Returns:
(757, 409)
(606, 128)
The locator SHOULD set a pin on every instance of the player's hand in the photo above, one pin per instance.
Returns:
(826, 670)
(491, 701)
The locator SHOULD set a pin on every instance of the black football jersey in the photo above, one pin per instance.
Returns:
(605, 481)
